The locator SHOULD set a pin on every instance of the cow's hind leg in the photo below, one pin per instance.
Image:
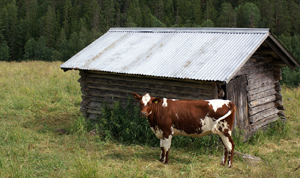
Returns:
(225, 154)
(229, 144)
(165, 145)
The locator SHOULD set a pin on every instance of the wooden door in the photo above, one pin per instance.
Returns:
(236, 91)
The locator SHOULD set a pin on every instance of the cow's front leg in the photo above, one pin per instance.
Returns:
(165, 145)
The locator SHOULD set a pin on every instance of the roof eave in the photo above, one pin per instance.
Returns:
(282, 52)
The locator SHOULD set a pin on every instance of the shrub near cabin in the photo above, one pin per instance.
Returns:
(194, 118)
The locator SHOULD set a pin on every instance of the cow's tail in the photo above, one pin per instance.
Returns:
(214, 128)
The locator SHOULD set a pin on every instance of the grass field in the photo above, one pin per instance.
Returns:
(36, 98)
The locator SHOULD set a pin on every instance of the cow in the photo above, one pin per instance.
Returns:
(195, 118)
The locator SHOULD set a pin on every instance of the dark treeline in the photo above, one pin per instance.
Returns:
(51, 30)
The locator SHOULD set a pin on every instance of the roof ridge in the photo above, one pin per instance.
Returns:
(189, 30)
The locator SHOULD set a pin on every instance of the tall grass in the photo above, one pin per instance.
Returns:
(36, 98)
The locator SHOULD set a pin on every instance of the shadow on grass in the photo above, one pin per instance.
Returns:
(46, 124)
(148, 155)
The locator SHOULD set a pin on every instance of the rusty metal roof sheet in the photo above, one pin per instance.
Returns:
(211, 54)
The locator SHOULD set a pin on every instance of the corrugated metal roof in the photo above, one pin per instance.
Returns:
(212, 54)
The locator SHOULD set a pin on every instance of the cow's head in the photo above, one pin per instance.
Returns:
(146, 103)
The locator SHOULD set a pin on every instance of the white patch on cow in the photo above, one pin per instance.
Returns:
(226, 142)
(174, 99)
(165, 104)
(207, 124)
(158, 132)
(176, 116)
(217, 103)
(146, 98)
(166, 143)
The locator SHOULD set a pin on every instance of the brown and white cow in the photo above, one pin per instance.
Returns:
(194, 118)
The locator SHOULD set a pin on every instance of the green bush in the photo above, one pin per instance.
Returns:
(290, 78)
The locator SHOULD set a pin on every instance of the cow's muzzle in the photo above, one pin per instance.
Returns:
(145, 114)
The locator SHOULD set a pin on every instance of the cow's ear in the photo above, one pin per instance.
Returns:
(136, 96)
(156, 100)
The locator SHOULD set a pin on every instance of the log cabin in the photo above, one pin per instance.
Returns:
(239, 64)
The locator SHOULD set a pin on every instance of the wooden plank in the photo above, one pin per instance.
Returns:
(261, 101)
(254, 110)
(264, 122)
(263, 94)
(236, 92)
(263, 114)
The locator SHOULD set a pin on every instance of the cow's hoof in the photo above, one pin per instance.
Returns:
(223, 164)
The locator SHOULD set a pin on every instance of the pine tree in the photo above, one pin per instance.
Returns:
(30, 47)
(266, 8)
(49, 30)
(12, 17)
(282, 18)
(294, 11)
(197, 15)
(134, 13)
(295, 47)
(4, 52)
(227, 15)
(248, 15)
(210, 12)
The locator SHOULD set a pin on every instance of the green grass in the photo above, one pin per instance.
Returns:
(38, 97)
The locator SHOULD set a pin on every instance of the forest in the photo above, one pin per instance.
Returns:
(53, 30)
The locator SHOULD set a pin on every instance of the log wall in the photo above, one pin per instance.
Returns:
(99, 87)
(264, 100)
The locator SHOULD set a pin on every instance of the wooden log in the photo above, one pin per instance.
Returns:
(278, 103)
(257, 61)
(258, 81)
(263, 122)
(262, 94)
(263, 114)
(261, 101)
(145, 80)
(278, 96)
(254, 110)
(125, 95)
(277, 73)
(260, 76)
(258, 90)
(255, 69)
(131, 88)
(278, 88)
(85, 102)
(281, 114)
